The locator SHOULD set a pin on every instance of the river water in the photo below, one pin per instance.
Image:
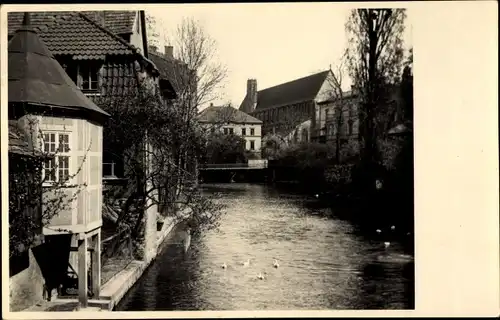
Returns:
(324, 262)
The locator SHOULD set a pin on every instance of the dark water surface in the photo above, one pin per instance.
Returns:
(324, 262)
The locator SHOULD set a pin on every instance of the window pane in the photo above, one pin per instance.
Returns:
(63, 168)
(63, 162)
(63, 142)
(94, 84)
(49, 171)
(85, 84)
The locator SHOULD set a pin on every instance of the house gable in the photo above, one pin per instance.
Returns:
(137, 38)
(326, 89)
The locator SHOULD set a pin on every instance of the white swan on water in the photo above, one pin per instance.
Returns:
(275, 263)
(187, 240)
(246, 263)
(387, 244)
(260, 276)
(224, 266)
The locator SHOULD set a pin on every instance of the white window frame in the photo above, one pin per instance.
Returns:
(59, 154)
(81, 77)
(243, 131)
(252, 132)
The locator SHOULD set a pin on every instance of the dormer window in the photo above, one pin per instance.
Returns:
(89, 76)
(85, 74)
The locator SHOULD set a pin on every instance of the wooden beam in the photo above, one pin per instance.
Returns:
(90, 233)
(96, 265)
(82, 273)
(75, 249)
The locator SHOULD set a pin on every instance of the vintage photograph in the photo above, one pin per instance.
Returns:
(211, 157)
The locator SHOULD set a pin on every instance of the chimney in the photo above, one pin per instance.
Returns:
(99, 17)
(169, 52)
(252, 94)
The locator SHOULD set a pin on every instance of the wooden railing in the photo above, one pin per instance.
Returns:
(223, 165)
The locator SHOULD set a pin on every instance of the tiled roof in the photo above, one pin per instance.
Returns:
(118, 22)
(216, 114)
(303, 89)
(73, 33)
(35, 77)
(299, 90)
(171, 70)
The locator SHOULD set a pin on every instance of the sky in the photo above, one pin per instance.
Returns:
(271, 42)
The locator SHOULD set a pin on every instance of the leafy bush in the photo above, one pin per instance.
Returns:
(225, 148)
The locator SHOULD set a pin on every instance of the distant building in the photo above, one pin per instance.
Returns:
(229, 120)
(338, 118)
(290, 108)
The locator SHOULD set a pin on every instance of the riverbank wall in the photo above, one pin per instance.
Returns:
(117, 287)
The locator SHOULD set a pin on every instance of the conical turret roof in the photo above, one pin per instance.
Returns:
(35, 76)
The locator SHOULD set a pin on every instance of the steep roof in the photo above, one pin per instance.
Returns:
(299, 90)
(217, 114)
(35, 77)
(119, 22)
(171, 69)
(74, 33)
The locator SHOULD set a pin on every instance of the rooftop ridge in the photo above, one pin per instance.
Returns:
(297, 79)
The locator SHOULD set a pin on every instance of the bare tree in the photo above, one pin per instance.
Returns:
(344, 109)
(198, 83)
(196, 75)
(146, 131)
(153, 35)
(375, 56)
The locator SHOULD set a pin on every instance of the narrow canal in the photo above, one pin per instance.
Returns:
(324, 262)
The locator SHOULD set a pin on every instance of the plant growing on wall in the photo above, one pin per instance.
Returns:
(39, 189)
(147, 132)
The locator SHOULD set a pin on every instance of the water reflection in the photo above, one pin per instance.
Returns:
(324, 262)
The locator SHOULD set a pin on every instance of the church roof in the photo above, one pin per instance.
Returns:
(299, 90)
(295, 91)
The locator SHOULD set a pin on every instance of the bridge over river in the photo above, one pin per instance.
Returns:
(250, 165)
